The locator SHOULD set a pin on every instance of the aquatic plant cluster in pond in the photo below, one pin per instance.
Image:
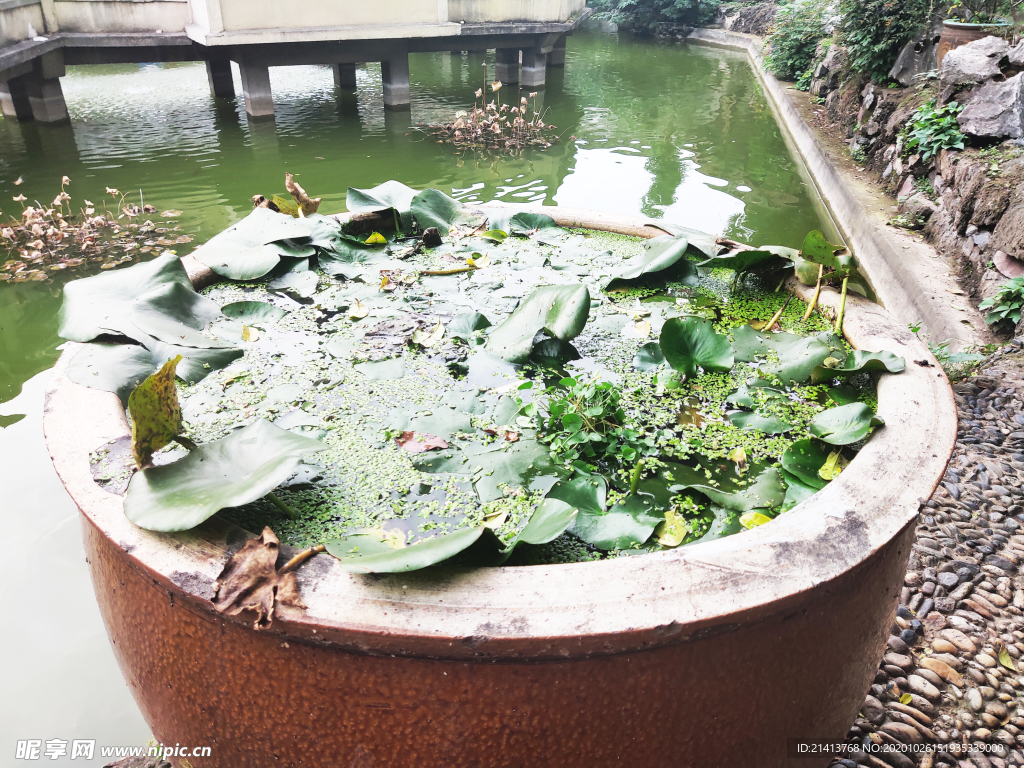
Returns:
(431, 383)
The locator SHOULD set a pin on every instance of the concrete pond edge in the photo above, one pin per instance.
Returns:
(911, 289)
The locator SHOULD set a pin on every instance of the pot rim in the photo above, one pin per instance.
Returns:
(974, 25)
(566, 611)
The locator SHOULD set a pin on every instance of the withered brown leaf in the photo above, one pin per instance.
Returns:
(251, 582)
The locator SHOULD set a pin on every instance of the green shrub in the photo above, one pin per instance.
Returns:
(1005, 307)
(644, 16)
(933, 129)
(874, 31)
(796, 32)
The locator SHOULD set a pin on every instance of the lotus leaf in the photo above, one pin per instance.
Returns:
(155, 412)
(254, 246)
(253, 312)
(559, 311)
(237, 469)
(689, 343)
(761, 486)
(649, 357)
(663, 260)
(770, 425)
(700, 241)
(845, 424)
(858, 362)
(803, 459)
(389, 195)
(630, 521)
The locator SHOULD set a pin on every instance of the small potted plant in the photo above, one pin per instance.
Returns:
(971, 20)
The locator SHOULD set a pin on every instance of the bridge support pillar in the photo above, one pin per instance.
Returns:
(557, 56)
(259, 100)
(14, 100)
(345, 76)
(534, 68)
(45, 96)
(506, 65)
(395, 74)
(218, 72)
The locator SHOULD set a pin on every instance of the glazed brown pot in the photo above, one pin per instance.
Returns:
(714, 654)
(955, 34)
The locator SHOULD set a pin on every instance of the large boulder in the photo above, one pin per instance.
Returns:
(919, 55)
(995, 110)
(827, 72)
(1016, 55)
(972, 64)
(750, 19)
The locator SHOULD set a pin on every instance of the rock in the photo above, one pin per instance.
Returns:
(974, 700)
(985, 660)
(928, 675)
(943, 670)
(431, 237)
(908, 636)
(997, 709)
(917, 56)
(1016, 55)
(896, 644)
(940, 645)
(971, 64)
(919, 685)
(905, 733)
(750, 19)
(899, 660)
(873, 710)
(995, 110)
(948, 580)
(959, 639)
(918, 208)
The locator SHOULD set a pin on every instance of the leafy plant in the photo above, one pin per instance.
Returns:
(985, 11)
(795, 34)
(1004, 308)
(559, 311)
(663, 259)
(933, 129)
(874, 31)
(583, 421)
(645, 16)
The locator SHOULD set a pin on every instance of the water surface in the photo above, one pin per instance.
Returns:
(656, 129)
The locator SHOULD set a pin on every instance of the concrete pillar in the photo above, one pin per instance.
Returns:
(344, 76)
(14, 100)
(557, 56)
(534, 68)
(46, 99)
(395, 73)
(259, 100)
(506, 65)
(222, 85)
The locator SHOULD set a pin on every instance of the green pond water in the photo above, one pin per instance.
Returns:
(667, 131)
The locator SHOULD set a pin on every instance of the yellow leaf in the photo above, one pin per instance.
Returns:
(479, 262)
(906, 698)
(155, 412)
(753, 519)
(1006, 660)
(496, 521)
(642, 329)
(358, 310)
(672, 530)
(739, 457)
(833, 466)
(428, 338)
(249, 333)
(376, 239)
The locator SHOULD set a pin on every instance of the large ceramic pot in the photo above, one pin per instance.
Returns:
(711, 655)
(957, 33)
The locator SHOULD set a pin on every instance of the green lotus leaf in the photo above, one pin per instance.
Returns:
(389, 195)
(433, 208)
(649, 357)
(770, 425)
(155, 412)
(253, 312)
(845, 424)
(803, 459)
(818, 249)
(798, 355)
(375, 551)
(549, 521)
(117, 368)
(94, 305)
(745, 261)
(797, 491)
(324, 231)
(586, 493)
(393, 368)
(629, 522)
(663, 260)
(173, 314)
(522, 223)
(691, 342)
(806, 270)
(234, 470)
(702, 242)
(526, 464)
(298, 285)
(560, 311)
(859, 362)
(745, 395)
(726, 523)
(254, 246)
(759, 487)
(843, 395)
(467, 326)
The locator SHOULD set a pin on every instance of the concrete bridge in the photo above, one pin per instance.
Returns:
(39, 38)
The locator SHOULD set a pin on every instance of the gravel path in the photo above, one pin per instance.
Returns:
(952, 674)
